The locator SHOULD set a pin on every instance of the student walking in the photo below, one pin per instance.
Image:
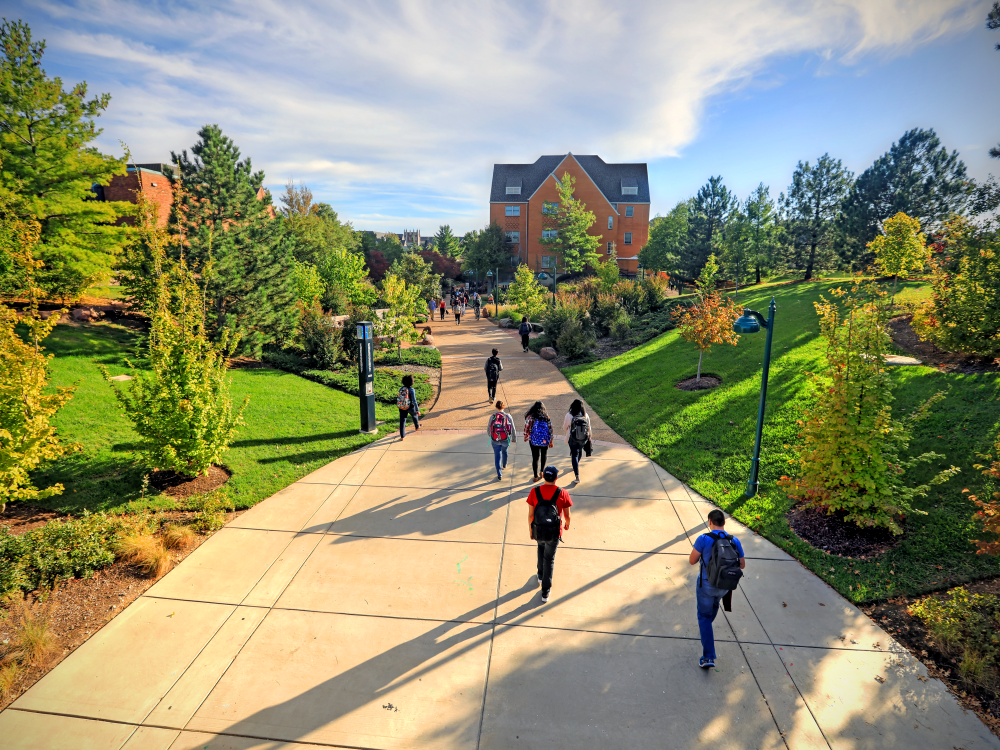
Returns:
(456, 307)
(406, 402)
(525, 331)
(501, 430)
(576, 426)
(493, 369)
(722, 564)
(538, 435)
(477, 304)
(548, 505)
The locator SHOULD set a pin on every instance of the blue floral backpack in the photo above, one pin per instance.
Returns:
(541, 432)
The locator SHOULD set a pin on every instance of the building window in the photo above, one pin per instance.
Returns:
(630, 186)
(547, 261)
(611, 247)
(512, 211)
(549, 234)
(629, 211)
(628, 238)
(512, 238)
(513, 190)
(611, 222)
(550, 209)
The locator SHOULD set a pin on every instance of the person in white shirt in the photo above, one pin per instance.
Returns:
(576, 426)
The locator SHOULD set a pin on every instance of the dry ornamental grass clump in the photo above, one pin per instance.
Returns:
(33, 642)
(178, 537)
(145, 552)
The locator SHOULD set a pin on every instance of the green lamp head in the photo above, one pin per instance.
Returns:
(746, 323)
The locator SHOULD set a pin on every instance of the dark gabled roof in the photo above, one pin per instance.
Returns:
(609, 178)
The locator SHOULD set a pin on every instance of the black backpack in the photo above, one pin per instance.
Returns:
(492, 368)
(579, 433)
(545, 526)
(723, 566)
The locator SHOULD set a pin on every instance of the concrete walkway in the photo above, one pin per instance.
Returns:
(386, 601)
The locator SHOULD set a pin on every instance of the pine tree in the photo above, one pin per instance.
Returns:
(46, 139)
(224, 226)
(813, 203)
(916, 176)
(446, 243)
(571, 222)
(764, 231)
(709, 210)
(668, 238)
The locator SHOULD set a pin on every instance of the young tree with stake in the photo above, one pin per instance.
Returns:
(710, 320)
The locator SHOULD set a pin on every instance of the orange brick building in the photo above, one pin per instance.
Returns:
(618, 194)
(155, 185)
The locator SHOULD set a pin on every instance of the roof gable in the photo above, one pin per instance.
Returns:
(609, 178)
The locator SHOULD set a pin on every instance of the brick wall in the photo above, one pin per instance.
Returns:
(156, 187)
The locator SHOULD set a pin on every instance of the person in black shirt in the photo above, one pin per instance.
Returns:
(493, 369)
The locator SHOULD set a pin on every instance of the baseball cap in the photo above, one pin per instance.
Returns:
(550, 473)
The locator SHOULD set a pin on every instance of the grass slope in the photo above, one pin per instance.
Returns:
(293, 426)
(706, 438)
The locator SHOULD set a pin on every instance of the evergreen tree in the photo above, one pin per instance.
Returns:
(488, 251)
(709, 210)
(764, 230)
(447, 243)
(571, 222)
(46, 138)
(224, 226)
(916, 176)
(813, 203)
(668, 238)
(417, 273)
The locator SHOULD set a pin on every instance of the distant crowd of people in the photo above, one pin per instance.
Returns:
(461, 301)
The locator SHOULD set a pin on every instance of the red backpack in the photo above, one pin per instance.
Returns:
(501, 427)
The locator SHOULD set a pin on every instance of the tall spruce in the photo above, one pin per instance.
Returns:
(668, 236)
(446, 243)
(916, 176)
(709, 210)
(223, 224)
(46, 137)
(572, 240)
(811, 208)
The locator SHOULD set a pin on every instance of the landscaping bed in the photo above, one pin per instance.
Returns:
(906, 339)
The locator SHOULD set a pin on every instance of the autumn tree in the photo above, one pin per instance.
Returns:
(811, 207)
(402, 302)
(525, 293)
(852, 459)
(710, 320)
(571, 223)
(989, 509)
(901, 250)
(50, 161)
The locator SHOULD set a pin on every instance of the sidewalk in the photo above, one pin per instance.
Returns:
(386, 601)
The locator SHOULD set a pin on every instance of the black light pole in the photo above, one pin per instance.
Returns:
(366, 378)
(751, 321)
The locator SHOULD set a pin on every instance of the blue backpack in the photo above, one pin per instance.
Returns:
(541, 432)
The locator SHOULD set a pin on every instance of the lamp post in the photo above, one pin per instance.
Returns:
(751, 321)
(496, 295)
(366, 378)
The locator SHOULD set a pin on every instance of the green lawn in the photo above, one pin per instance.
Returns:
(706, 438)
(293, 426)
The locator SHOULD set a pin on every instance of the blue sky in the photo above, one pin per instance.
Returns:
(394, 113)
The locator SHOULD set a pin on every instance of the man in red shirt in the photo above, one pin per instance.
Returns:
(547, 506)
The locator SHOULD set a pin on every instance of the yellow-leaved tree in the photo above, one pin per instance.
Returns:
(901, 249)
(710, 320)
(27, 436)
(525, 293)
(403, 303)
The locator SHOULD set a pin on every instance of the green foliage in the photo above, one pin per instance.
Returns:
(309, 285)
(423, 356)
(621, 326)
(27, 403)
(446, 243)
(963, 313)
(73, 548)
(604, 311)
(607, 271)
(486, 250)
(222, 222)
(140, 264)
(387, 383)
(655, 288)
(525, 293)
(574, 341)
(901, 249)
(852, 457)
(631, 296)
(811, 207)
(750, 243)
(403, 303)
(418, 273)
(49, 159)
(182, 410)
(916, 176)
(967, 625)
(572, 222)
(319, 338)
(668, 237)
(706, 221)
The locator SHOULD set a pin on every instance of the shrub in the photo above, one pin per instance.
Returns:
(655, 288)
(852, 460)
(568, 307)
(969, 625)
(604, 310)
(350, 344)
(989, 510)
(284, 361)
(176, 536)
(525, 294)
(182, 409)
(631, 296)
(146, 553)
(386, 385)
(574, 341)
(423, 356)
(318, 336)
(621, 326)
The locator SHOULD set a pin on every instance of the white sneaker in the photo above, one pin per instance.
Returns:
(545, 598)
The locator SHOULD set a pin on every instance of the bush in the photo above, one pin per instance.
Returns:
(284, 361)
(631, 296)
(349, 337)
(423, 356)
(655, 289)
(574, 341)
(146, 553)
(387, 383)
(568, 307)
(604, 310)
(318, 336)
(621, 326)
(966, 625)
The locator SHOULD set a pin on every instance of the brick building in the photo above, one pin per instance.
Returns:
(155, 185)
(618, 194)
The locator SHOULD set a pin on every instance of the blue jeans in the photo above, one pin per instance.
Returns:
(500, 449)
(575, 454)
(412, 412)
(709, 599)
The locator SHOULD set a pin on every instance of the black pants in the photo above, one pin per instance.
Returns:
(546, 561)
(491, 388)
(538, 452)
(441, 309)
(524, 341)
(575, 454)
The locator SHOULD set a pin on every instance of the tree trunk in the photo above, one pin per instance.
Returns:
(894, 280)
(812, 259)
(758, 274)
(701, 353)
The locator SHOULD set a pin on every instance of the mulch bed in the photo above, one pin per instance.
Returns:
(906, 339)
(706, 383)
(19, 518)
(245, 363)
(178, 485)
(833, 534)
(892, 615)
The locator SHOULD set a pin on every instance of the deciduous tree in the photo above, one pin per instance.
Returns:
(710, 320)
(901, 250)
(402, 302)
(525, 293)
(46, 136)
(668, 237)
(487, 251)
(989, 508)
(418, 273)
(571, 221)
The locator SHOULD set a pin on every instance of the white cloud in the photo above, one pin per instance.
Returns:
(425, 94)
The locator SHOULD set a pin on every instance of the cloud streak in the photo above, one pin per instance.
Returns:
(425, 95)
